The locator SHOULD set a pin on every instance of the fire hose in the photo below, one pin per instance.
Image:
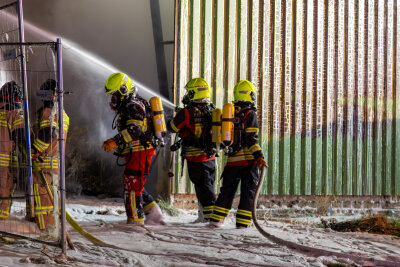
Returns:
(316, 252)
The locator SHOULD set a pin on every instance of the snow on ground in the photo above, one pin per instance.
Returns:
(182, 243)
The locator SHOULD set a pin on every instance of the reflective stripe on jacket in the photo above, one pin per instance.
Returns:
(250, 150)
(181, 123)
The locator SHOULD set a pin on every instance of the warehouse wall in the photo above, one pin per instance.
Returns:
(328, 79)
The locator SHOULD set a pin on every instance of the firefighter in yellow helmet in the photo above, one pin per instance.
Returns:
(193, 123)
(244, 159)
(135, 143)
(11, 132)
(45, 154)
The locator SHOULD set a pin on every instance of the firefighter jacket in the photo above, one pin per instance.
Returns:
(246, 149)
(134, 126)
(46, 141)
(45, 146)
(193, 123)
(11, 131)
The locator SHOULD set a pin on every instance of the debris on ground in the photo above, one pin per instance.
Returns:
(373, 224)
(166, 207)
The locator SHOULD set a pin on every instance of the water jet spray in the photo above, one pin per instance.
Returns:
(74, 48)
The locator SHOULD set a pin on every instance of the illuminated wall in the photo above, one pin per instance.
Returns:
(328, 79)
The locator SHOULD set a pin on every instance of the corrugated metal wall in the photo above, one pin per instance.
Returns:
(328, 79)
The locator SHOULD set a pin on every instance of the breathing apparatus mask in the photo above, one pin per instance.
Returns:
(11, 93)
(186, 98)
(116, 100)
(47, 93)
(120, 95)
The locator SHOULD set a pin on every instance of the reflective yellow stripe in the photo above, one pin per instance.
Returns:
(251, 130)
(217, 217)
(243, 221)
(3, 120)
(41, 222)
(48, 163)
(254, 148)
(144, 128)
(133, 149)
(127, 137)
(194, 151)
(133, 204)
(37, 197)
(17, 123)
(135, 122)
(208, 208)
(46, 123)
(244, 212)
(4, 123)
(4, 214)
(138, 221)
(149, 206)
(44, 209)
(244, 154)
(40, 145)
(235, 159)
(66, 118)
(5, 160)
(220, 209)
(192, 154)
(135, 219)
(173, 126)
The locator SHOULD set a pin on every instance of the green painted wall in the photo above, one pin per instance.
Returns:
(328, 79)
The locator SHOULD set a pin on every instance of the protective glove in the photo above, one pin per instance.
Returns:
(109, 145)
(261, 163)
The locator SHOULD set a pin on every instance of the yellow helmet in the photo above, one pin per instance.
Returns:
(244, 91)
(119, 82)
(197, 88)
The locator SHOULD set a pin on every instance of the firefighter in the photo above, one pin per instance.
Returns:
(193, 124)
(135, 143)
(245, 158)
(45, 154)
(11, 132)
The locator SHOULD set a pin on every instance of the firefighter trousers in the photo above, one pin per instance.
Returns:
(232, 175)
(135, 196)
(43, 205)
(5, 191)
(137, 206)
(202, 175)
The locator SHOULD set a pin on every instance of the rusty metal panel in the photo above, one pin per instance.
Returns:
(327, 74)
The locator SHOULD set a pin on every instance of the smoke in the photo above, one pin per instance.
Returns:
(89, 169)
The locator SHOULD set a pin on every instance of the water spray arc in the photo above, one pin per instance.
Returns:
(74, 48)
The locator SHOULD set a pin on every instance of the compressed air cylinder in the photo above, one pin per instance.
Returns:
(158, 118)
(216, 126)
(227, 125)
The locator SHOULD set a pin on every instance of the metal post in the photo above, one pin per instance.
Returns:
(26, 107)
(159, 47)
(61, 143)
